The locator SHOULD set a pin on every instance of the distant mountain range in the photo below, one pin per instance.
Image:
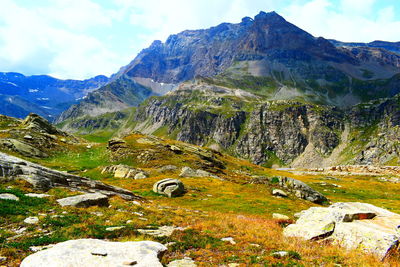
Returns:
(42, 94)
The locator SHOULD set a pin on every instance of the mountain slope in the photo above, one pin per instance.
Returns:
(47, 96)
(269, 55)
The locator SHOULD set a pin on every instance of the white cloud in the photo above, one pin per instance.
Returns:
(351, 21)
(50, 40)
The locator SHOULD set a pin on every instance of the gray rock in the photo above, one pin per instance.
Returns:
(161, 231)
(114, 228)
(37, 195)
(280, 254)
(169, 187)
(185, 262)
(352, 225)
(279, 193)
(7, 196)
(85, 200)
(279, 216)
(229, 240)
(301, 190)
(168, 168)
(189, 172)
(44, 178)
(22, 148)
(78, 253)
(31, 220)
(140, 175)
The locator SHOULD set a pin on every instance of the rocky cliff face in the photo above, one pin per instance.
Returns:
(276, 132)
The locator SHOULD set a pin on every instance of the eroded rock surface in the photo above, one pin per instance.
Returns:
(85, 200)
(100, 253)
(169, 187)
(353, 225)
(44, 178)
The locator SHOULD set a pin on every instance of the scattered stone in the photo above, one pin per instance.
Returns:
(279, 193)
(76, 252)
(300, 189)
(280, 254)
(189, 172)
(97, 213)
(168, 168)
(31, 220)
(175, 149)
(280, 216)
(137, 203)
(169, 187)
(3, 259)
(161, 231)
(20, 230)
(140, 175)
(7, 196)
(352, 225)
(138, 213)
(114, 228)
(185, 262)
(28, 137)
(37, 195)
(88, 146)
(229, 239)
(86, 200)
(123, 171)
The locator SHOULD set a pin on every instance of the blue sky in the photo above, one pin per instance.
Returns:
(83, 38)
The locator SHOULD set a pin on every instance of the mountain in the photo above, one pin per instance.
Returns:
(268, 56)
(389, 46)
(42, 94)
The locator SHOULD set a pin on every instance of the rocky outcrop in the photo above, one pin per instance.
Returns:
(350, 224)
(44, 178)
(169, 187)
(189, 172)
(94, 252)
(124, 171)
(296, 187)
(86, 200)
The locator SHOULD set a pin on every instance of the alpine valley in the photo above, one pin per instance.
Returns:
(248, 144)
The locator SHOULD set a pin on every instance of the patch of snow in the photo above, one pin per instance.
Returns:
(33, 90)
(43, 98)
(13, 84)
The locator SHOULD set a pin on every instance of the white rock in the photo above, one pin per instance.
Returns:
(185, 262)
(7, 196)
(229, 239)
(140, 175)
(279, 216)
(114, 228)
(279, 193)
(280, 254)
(86, 200)
(37, 195)
(79, 253)
(161, 231)
(31, 220)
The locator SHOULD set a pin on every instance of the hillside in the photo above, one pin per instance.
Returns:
(206, 223)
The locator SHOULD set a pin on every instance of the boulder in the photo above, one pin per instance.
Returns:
(44, 178)
(86, 200)
(279, 193)
(300, 189)
(7, 196)
(279, 216)
(37, 195)
(31, 220)
(99, 253)
(124, 171)
(161, 231)
(169, 187)
(189, 172)
(352, 225)
(168, 168)
(185, 262)
(22, 148)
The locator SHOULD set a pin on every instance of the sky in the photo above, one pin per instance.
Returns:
(79, 39)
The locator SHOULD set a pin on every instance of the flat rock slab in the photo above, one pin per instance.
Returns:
(185, 262)
(352, 225)
(99, 253)
(7, 196)
(160, 232)
(37, 195)
(86, 200)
